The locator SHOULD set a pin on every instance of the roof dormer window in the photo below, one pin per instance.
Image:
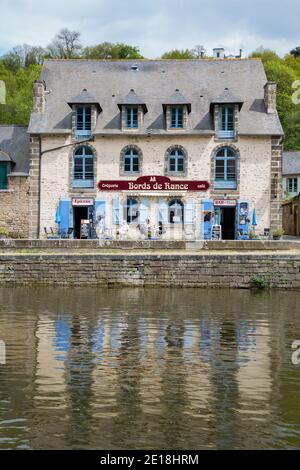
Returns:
(85, 112)
(225, 109)
(176, 117)
(132, 109)
(84, 119)
(132, 121)
(176, 110)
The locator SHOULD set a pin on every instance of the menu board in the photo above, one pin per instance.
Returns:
(216, 232)
(84, 228)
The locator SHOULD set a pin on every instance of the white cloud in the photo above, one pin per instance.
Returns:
(155, 26)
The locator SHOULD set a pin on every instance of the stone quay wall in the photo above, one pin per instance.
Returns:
(153, 270)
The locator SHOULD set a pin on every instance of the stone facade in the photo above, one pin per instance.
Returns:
(254, 169)
(15, 206)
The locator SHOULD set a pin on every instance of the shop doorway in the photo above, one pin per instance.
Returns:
(227, 221)
(79, 214)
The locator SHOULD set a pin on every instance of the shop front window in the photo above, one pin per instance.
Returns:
(175, 211)
(132, 210)
(83, 168)
(225, 169)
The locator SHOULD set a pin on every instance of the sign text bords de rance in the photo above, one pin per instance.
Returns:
(152, 183)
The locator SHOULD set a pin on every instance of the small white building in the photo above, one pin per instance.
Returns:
(154, 148)
(290, 174)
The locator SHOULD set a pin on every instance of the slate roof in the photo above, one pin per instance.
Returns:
(133, 99)
(84, 97)
(177, 98)
(291, 163)
(199, 81)
(14, 143)
(227, 97)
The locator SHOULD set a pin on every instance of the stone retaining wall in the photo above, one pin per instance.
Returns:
(91, 245)
(207, 270)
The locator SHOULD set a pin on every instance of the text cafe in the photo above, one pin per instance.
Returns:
(154, 207)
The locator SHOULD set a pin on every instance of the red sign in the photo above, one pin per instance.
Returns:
(225, 202)
(152, 183)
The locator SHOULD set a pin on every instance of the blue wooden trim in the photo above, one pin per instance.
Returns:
(87, 177)
(64, 214)
(176, 117)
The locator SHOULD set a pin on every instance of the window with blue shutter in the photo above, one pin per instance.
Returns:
(189, 212)
(83, 121)
(226, 122)
(83, 168)
(225, 169)
(64, 214)
(132, 117)
(207, 218)
(131, 161)
(3, 175)
(144, 210)
(176, 117)
(163, 210)
(176, 161)
(116, 211)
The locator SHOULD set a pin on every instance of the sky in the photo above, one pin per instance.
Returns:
(155, 26)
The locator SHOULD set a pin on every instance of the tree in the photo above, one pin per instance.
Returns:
(179, 54)
(23, 56)
(295, 52)
(65, 45)
(199, 51)
(108, 50)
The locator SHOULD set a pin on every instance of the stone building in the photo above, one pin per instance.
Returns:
(170, 147)
(14, 180)
(290, 174)
(291, 216)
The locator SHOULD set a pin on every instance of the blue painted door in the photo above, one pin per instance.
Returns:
(207, 218)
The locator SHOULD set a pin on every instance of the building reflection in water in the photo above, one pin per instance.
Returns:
(120, 373)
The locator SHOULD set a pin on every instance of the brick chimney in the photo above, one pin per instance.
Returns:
(270, 97)
(38, 96)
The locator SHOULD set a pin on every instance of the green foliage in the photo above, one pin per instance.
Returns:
(259, 282)
(179, 54)
(18, 94)
(108, 50)
(284, 71)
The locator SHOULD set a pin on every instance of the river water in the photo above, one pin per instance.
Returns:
(148, 369)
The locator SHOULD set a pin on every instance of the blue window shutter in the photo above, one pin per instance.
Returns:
(100, 208)
(64, 213)
(163, 211)
(144, 210)
(242, 222)
(207, 218)
(117, 212)
(189, 212)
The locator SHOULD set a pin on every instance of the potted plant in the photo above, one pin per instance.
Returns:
(277, 234)
(252, 235)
